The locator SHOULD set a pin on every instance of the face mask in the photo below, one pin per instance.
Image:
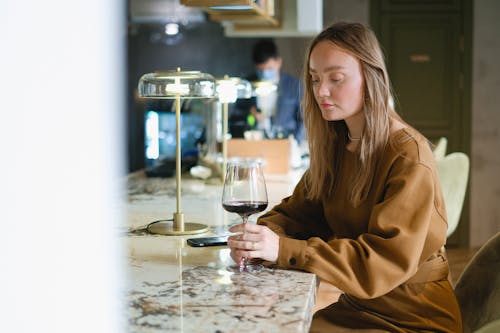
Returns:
(269, 74)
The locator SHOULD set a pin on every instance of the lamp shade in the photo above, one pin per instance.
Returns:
(229, 89)
(263, 88)
(175, 84)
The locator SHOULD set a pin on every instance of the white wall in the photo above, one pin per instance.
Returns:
(61, 120)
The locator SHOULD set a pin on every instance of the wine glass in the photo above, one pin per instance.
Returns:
(245, 193)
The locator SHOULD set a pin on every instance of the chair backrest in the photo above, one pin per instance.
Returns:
(493, 327)
(478, 287)
(453, 173)
(440, 148)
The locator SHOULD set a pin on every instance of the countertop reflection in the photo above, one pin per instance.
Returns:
(173, 287)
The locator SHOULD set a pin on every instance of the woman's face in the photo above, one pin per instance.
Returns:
(337, 82)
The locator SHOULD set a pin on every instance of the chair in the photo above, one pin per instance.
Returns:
(493, 327)
(453, 173)
(440, 148)
(478, 288)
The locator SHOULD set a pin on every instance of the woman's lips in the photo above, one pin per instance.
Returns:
(326, 105)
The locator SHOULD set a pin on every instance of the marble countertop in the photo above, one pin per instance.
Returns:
(173, 287)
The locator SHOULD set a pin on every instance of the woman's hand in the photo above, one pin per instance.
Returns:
(255, 241)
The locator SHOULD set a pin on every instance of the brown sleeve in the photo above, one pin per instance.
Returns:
(297, 217)
(390, 252)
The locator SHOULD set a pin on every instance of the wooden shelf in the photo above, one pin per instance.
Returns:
(213, 3)
(250, 13)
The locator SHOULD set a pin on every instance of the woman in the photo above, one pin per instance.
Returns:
(368, 216)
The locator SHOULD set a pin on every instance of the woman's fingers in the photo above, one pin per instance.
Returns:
(238, 254)
(246, 237)
(244, 245)
(236, 258)
(247, 227)
(254, 241)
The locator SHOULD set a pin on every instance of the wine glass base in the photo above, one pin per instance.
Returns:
(250, 268)
(166, 227)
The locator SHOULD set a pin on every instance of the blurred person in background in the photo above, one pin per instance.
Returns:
(278, 113)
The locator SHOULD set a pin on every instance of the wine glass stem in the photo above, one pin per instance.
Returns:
(244, 261)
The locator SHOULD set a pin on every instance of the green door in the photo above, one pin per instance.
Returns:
(426, 60)
(423, 58)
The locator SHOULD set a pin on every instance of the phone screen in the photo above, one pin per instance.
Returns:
(208, 241)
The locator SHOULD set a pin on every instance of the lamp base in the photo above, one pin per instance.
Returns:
(166, 227)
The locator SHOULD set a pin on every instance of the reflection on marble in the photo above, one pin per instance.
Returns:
(210, 299)
(173, 287)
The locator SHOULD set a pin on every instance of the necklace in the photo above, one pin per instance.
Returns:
(352, 139)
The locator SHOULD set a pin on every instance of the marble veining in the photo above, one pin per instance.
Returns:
(173, 287)
(210, 299)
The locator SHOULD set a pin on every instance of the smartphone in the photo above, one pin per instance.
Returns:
(208, 241)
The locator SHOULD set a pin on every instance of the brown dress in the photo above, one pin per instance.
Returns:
(386, 255)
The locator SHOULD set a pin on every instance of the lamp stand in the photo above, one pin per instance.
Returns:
(178, 227)
(225, 108)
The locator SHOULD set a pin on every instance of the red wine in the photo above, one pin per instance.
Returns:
(245, 208)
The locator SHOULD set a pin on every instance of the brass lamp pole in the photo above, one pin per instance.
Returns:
(176, 85)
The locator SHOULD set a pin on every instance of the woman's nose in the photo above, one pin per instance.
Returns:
(323, 90)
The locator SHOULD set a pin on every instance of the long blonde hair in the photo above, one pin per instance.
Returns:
(327, 139)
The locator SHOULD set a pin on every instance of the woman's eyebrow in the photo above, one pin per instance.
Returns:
(327, 69)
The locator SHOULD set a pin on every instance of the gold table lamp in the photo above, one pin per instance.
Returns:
(228, 90)
(263, 88)
(176, 85)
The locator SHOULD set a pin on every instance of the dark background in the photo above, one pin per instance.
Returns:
(203, 48)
